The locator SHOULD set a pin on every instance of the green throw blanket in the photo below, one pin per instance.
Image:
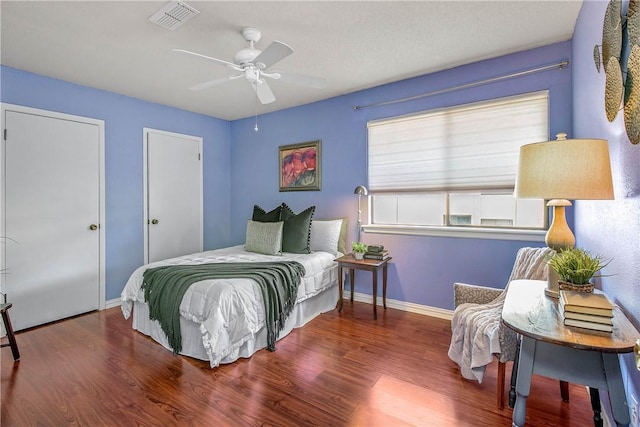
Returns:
(165, 286)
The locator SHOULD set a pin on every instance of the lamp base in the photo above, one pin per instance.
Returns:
(559, 235)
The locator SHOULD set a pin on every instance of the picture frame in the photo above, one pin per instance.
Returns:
(300, 166)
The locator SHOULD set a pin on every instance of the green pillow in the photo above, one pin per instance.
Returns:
(261, 215)
(296, 232)
(264, 237)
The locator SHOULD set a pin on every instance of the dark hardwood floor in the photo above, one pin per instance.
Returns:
(340, 369)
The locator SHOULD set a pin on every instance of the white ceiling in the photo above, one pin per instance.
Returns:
(354, 45)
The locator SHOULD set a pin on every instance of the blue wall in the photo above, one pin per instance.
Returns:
(423, 268)
(610, 228)
(241, 166)
(124, 119)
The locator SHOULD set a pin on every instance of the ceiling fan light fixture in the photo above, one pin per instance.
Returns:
(173, 14)
(251, 74)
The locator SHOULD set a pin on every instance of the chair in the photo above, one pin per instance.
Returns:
(4, 310)
(478, 333)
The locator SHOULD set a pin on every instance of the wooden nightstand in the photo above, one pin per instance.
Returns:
(373, 265)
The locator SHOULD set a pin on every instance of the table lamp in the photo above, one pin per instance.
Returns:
(360, 190)
(559, 171)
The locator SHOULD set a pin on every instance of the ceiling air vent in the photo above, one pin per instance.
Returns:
(173, 14)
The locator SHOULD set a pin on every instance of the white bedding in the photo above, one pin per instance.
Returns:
(231, 313)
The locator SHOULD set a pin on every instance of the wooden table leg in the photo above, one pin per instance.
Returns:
(564, 391)
(375, 293)
(340, 284)
(9, 329)
(352, 278)
(502, 367)
(384, 286)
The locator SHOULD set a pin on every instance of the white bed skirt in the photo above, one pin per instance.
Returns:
(193, 346)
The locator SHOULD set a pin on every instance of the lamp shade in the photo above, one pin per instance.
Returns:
(573, 169)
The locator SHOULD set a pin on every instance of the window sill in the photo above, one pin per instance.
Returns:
(461, 232)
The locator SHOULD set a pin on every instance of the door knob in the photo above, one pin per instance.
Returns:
(154, 221)
(93, 227)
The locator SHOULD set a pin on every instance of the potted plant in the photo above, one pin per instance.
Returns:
(576, 267)
(358, 249)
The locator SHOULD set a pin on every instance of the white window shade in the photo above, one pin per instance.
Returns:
(468, 147)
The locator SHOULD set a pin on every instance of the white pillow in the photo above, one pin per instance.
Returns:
(325, 235)
(264, 237)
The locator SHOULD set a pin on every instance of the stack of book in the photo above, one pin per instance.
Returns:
(587, 310)
(376, 252)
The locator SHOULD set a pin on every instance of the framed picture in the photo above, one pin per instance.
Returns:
(300, 166)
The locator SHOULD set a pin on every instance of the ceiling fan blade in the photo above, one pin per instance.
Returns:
(210, 58)
(263, 91)
(275, 52)
(215, 82)
(302, 80)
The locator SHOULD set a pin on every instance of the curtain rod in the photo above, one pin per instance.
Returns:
(559, 65)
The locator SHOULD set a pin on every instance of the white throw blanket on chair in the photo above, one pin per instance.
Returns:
(475, 327)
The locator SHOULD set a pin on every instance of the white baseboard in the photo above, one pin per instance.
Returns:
(112, 303)
(402, 305)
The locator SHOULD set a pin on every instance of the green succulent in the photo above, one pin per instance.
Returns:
(575, 265)
(359, 247)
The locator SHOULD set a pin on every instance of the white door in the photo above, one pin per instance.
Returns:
(52, 216)
(174, 194)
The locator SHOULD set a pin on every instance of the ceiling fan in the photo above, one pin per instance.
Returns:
(252, 64)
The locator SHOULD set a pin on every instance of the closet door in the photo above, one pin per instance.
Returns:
(52, 217)
(174, 194)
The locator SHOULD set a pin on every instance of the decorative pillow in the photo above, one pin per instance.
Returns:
(296, 232)
(325, 235)
(261, 215)
(264, 237)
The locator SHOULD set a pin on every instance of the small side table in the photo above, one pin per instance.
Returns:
(372, 265)
(575, 355)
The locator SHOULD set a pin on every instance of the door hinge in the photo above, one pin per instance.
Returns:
(198, 156)
(5, 134)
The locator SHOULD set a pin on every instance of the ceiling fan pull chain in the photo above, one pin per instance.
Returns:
(255, 128)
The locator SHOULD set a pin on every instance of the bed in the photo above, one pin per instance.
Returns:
(222, 320)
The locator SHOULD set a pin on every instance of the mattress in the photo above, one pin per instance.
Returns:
(223, 319)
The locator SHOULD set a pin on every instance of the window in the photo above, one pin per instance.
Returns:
(456, 167)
